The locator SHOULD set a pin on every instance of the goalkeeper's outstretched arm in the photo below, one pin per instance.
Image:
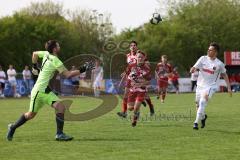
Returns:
(83, 68)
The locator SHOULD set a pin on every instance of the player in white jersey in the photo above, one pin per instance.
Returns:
(11, 72)
(210, 69)
(97, 77)
(2, 82)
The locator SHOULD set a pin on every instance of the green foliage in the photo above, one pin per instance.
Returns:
(187, 31)
(28, 30)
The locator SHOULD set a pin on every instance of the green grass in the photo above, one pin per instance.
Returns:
(110, 138)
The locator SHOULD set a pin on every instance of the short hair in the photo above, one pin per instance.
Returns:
(133, 42)
(215, 45)
(164, 56)
(50, 45)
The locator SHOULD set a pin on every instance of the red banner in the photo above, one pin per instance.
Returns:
(232, 58)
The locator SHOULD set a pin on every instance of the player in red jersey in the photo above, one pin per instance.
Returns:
(139, 76)
(173, 79)
(131, 59)
(163, 70)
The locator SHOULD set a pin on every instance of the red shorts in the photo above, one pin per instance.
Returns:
(136, 96)
(163, 83)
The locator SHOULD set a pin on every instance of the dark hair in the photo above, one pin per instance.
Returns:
(133, 42)
(215, 45)
(50, 45)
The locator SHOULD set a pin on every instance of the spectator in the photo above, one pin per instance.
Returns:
(233, 82)
(11, 72)
(2, 82)
(237, 77)
(97, 77)
(194, 77)
(27, 79)
(75, 81)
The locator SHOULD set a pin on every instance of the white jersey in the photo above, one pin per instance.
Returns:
(2, 76)
(209, 71)
(194, 76)
(11, 74)
(26, 74)
(97, 73)
(131, 58)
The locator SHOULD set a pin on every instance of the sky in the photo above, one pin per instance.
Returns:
(124, 13)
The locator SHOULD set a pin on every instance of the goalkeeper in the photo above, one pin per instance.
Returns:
(41, 94)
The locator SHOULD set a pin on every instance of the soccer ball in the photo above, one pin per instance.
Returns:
(156, 18)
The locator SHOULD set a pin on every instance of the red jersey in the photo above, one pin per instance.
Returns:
(163, 70)
(131, 58)
(174, 76)
(138, 74)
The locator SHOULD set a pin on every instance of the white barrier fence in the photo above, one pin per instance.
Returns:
(185, 85)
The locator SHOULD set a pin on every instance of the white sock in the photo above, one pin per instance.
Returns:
(201, 110)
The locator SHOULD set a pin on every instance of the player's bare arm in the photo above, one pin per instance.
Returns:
(225, 77)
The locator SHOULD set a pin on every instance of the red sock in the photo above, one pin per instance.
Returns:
(124, 105)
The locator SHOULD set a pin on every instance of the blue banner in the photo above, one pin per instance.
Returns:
(21, 88)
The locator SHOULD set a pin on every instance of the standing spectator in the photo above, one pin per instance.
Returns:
(194, 77)
(11, 72)
(27, 79)
(97, 77)
(2, 82)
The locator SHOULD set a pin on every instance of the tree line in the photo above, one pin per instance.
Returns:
(183, 35)
(186, 31)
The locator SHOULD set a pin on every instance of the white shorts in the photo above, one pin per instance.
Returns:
(201, 91)
(13, 82)
(97, 84)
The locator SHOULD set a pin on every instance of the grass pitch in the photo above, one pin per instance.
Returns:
(168, 135)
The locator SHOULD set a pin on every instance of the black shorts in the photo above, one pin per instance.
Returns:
(175, 82)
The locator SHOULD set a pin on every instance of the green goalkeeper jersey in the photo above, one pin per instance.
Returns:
(50, 64)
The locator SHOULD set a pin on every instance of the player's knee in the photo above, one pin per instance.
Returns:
(203, 100)
(130, 107)
(205, 97)
(30, 115)
(60, 108)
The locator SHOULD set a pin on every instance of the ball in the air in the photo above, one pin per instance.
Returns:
(156, 18)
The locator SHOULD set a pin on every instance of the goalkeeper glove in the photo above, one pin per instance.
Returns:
(87, 66)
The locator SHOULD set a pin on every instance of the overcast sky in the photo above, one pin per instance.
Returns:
(125, 13)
